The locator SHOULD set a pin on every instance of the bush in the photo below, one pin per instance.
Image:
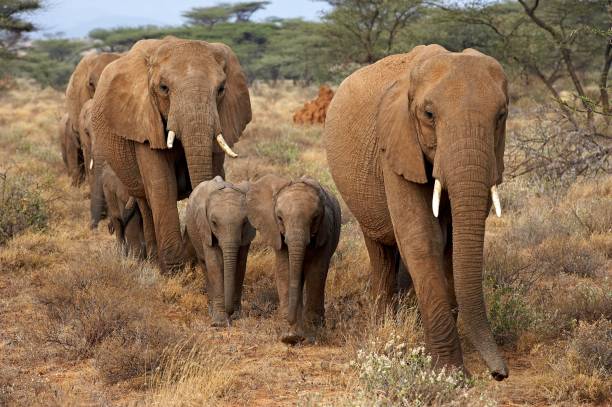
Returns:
(101, 306)
(582, 369)
(281, 151)
(401, 376)
(21, 206)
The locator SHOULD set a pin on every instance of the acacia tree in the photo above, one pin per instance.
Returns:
(224, 12)
(364, 31)
(12, 22)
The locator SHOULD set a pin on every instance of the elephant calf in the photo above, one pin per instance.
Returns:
(300, 220)
(218, 227)
(125, 220)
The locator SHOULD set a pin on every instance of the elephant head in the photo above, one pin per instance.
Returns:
(83, 83)
(163, 90)
(449, 110)
(295, 214)
(220, 219)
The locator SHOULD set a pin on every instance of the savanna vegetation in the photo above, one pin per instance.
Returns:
(82, 325)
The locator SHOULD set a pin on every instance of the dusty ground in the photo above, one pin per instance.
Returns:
(72, 312)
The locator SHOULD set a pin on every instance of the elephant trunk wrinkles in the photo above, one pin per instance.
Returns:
(297, 249)
(230, 258)
(197, 130)
(468, 186)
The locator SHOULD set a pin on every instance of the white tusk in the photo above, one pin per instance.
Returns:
(435, 201)
(225, 147)
(91, 164)
(496, 202)
(170, 140)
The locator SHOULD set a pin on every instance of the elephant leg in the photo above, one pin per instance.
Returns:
(213, 261)
(282, 281)
(72, 162)
(315, 272)
(421, 244)
(148, 229)
(450, 281)
(239, 280)
(404, 282)
(384, 263)
(161, 191)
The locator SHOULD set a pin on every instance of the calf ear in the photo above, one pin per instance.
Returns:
(330, 221)
(261, 199)
(198, 205)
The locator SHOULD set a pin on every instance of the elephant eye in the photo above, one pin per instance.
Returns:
(429, 114)
(164, 88)
(500, 117)
(221, 90)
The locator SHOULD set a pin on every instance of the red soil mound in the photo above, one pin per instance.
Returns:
(313, 112)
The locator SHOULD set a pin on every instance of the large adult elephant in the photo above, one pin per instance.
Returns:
(412, 126)
(80, 89)
(164, 116)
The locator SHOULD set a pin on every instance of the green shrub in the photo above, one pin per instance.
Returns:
(21, 206)
(281, 151)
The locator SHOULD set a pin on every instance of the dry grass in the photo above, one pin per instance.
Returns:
(80, 325)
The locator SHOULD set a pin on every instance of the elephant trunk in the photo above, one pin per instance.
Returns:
(97, 204)
(230, 258)
(196, 128)
(297, 248)
(468, 186)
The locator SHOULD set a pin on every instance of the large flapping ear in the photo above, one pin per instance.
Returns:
(248, 232)
(198, 206)
(261, 199)
(397, 132)
(235, 106)
(78, 90)
(123, 103)
(396, 124)
(330, 222)
(84, 121)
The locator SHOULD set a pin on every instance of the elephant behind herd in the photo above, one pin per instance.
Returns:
(414, 143)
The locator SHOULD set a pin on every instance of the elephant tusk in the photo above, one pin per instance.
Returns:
(435, 201)
(496, 202)
(170, 140)
(225, 147)
(91, 164)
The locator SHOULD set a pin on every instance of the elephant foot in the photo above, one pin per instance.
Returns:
(236, 315)
(293, 337)
(221, 323)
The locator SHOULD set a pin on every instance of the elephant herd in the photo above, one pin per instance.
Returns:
(414, 143)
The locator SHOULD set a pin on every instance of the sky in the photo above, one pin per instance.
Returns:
(75, 18)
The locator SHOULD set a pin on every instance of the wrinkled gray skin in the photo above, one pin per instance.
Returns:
(125, 220)
(300, 220)
(219, 230)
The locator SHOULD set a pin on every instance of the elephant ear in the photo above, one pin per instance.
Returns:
(261, 200)
(330, 222)
(202, 195)
(248, 232)
(123, 101)
(79, 90)
(235, 106)
(396, 125)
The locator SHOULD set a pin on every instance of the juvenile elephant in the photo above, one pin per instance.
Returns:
(217, 225)
(124, 216)
(72, 155)
(164, 115)
(80, 89)
(300, 220)
(429, 123)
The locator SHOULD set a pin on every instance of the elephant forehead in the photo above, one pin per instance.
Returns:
(298, 197)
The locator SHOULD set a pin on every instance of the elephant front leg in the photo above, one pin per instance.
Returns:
(315, 272)
(148, 229)
(161, 191)
(293, 333)
(420, 241)
(213, 260)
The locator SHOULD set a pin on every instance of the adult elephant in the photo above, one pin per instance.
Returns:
(164, 115)
(412, 126)
(80, 89)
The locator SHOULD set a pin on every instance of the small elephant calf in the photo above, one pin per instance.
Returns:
(125, 220)
(300, 220)
(217, 224)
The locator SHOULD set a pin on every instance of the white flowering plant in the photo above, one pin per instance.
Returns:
(393, 374)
